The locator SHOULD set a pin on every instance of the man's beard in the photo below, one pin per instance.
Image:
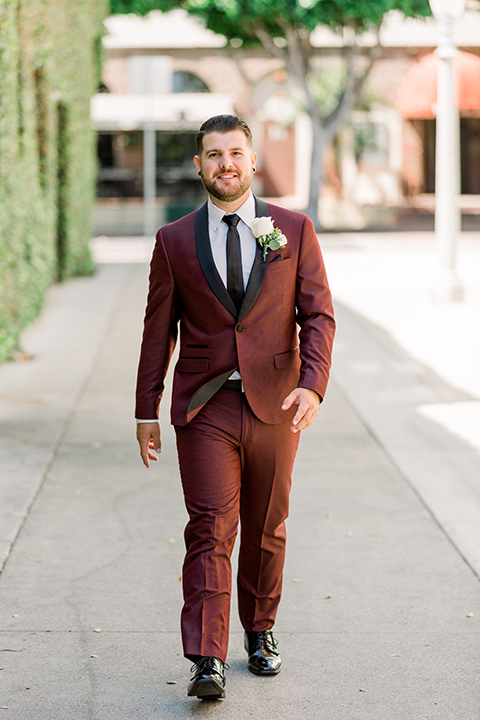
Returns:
(230, 195)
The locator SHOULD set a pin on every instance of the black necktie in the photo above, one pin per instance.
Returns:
(234, 261)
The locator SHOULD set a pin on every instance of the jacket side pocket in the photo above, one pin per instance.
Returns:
(192, 365)
(286, 359)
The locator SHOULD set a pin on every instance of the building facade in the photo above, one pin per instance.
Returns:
(165, 74)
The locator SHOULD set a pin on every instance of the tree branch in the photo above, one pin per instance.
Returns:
(267, 41)
(296, 56)
(353, 84)
(299, 47)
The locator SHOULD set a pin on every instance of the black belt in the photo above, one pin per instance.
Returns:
(233, 385)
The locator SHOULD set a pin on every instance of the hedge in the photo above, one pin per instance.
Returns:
(50, 59)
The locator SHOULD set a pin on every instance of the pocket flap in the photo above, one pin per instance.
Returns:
(193, 365)
(286, 359)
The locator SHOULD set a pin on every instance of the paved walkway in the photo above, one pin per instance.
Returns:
(381, 595)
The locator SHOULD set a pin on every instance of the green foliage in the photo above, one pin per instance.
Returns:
(326, 84)
(284, 28)
(48, 72)
(239, 18)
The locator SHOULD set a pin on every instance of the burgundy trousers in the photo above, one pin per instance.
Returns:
(232, 467)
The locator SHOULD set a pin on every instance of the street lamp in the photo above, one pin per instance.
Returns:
(447, 286)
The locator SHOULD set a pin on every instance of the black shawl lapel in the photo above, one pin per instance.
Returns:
(259, 268)
(207, 263)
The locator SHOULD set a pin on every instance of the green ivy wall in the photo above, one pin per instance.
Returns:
(50, 57)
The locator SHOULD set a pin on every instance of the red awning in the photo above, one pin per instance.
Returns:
(417, 97)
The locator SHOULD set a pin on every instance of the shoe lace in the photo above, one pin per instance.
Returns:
(265, 640)
(209, 664)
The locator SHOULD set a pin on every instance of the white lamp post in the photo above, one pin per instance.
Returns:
(447, 286)
(149, 178)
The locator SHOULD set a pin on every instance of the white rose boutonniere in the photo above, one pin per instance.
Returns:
(267, 235)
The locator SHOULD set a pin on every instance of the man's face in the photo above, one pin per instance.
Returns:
(226, 165)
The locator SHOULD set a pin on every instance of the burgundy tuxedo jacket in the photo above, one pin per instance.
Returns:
(281, 338)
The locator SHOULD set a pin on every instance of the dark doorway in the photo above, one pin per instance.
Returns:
(469, 155)
(177, 179)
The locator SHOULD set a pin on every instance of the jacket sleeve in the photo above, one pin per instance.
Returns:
(314, 314)
(159, 334)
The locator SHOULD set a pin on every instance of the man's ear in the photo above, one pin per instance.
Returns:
(198, 163)
(254, 159)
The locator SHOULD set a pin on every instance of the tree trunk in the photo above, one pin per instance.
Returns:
(298, 60)
(316, 169)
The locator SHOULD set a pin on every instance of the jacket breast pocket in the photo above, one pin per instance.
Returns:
(279, 261)
(192, 365)
(286, 359)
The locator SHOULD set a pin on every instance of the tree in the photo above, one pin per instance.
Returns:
(284, 28)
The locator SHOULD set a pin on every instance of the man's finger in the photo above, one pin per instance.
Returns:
(290, 400)
(145, 454)
(299, 414)
(302, 419)
(308, 404)
(155, 444)
(148, 436)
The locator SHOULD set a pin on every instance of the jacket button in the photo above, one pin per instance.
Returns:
(239, 328)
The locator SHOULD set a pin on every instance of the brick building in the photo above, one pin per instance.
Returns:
(164, 74)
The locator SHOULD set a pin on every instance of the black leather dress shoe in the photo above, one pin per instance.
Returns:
(208, 681)
(263, 655)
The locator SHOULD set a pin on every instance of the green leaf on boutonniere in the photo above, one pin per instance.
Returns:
(268, 236)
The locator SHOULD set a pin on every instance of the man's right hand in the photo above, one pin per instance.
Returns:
(148, 436)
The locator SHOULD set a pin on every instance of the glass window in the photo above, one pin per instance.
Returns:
(187, 82)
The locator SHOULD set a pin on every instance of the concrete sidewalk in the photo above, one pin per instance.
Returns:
(411, 367)
(381, 590)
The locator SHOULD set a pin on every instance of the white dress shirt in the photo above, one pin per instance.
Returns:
(217, 231)
(218, 237)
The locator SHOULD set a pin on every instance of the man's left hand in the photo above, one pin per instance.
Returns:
(308, 403)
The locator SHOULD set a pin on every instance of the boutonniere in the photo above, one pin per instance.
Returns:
(267, 236)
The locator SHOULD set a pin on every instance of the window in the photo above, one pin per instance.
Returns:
(187, 82)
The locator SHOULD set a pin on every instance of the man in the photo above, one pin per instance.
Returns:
(245, 385)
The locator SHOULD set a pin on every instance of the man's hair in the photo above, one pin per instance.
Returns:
(222, 124)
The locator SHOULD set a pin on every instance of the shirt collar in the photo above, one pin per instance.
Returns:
(245, 212)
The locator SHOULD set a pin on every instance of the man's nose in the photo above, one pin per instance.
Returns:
(225, 161)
